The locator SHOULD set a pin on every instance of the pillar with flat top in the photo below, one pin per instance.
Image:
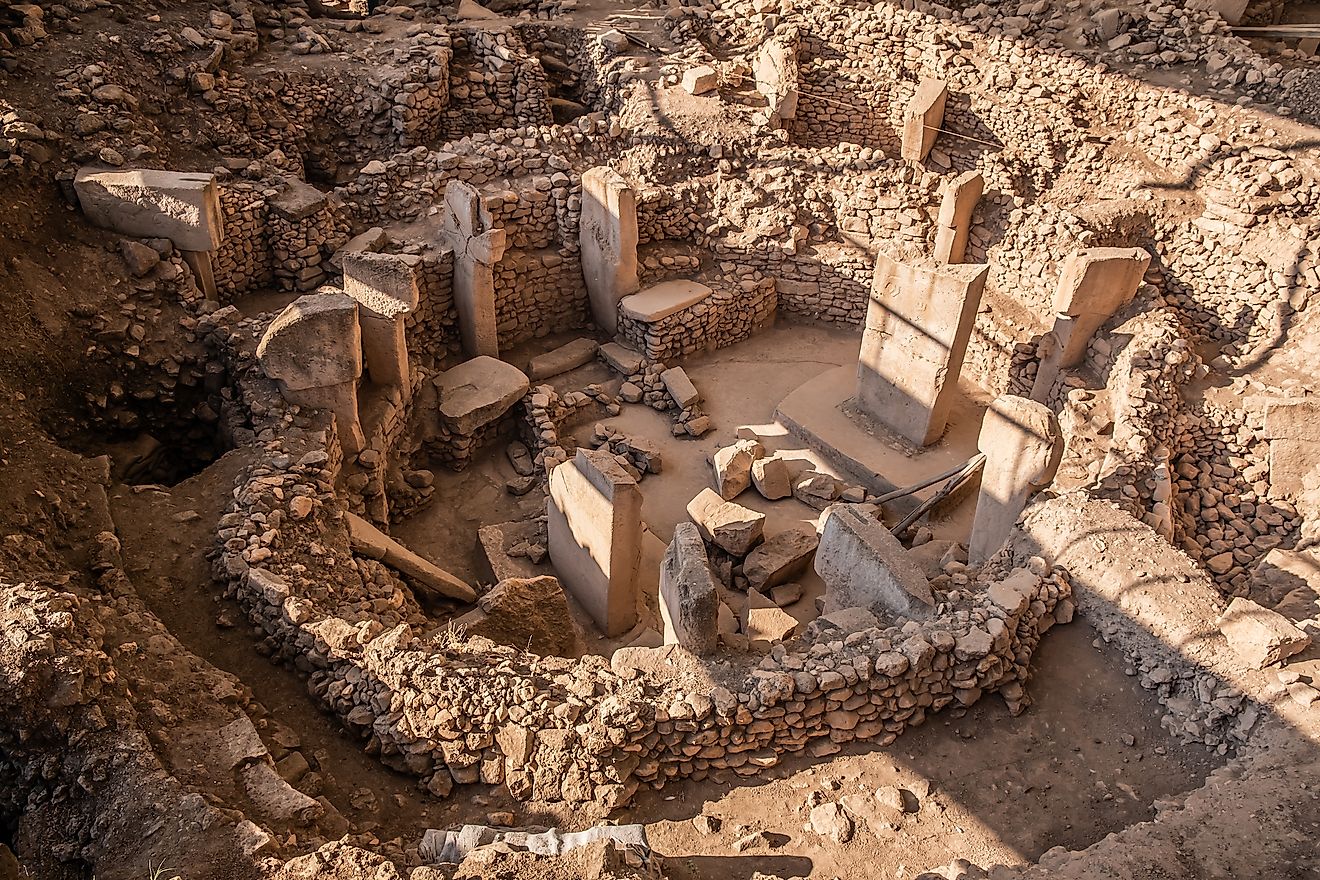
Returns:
(313, 351)
(607, 234)
(385, 288)
(477, 248)
(594, 525)
(960, 198)
(1023, 447)
(1095, 284)
(918, 323)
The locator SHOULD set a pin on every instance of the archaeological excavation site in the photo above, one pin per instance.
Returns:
(659, 439)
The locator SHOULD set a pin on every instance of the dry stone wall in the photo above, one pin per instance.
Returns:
(731, 313)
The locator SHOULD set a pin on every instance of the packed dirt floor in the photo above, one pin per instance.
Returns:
(623, 439)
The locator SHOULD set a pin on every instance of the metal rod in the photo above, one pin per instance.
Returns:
(929, 481)
(973, 465)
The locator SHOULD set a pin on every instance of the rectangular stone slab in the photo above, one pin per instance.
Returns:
(594, 520)
(864, 565)
(181, 206)
(479, 391)
(662, 300)
(918, 324)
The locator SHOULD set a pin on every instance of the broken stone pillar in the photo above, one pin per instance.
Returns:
(776, 70)
(689, 601)
(1095, 284)
(607, 233)
(313, 351)
(1023, 447)
(864, 565)
(1292, 425)
(959, 201)
(181, 206)
(595, 534)
(918, 324)
(477, 248)
(385, 288)
(923, 118)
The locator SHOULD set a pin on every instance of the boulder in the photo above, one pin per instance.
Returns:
(731, 527)
(1260, 636)
(771, 478)
(526, 613)
(733, 467)
(780, 559)
(478, 391)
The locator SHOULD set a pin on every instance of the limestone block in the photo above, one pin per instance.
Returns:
(680, 387)
(566, 357)
(732, 466)
(1259, 636)
(700, 79)
(764, 621)
(385, 284)
(961, 196)
(479, 391)
(181, 206)
(659, 301)
(595, 536)
(1023, 447)
(918, 324)
(1292, 426)
(770, 476)
(275, 799)
(864, 565)
(922, 119)
(776, 71)
(314, 343)
(731, 527)
(782, 558)
(1095, 283)
(621, 359)
(607, 235)
(530, 614)
(689, 600)
(477, 248)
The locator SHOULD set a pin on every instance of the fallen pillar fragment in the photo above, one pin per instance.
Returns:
(864, 565)
(689, 600)
(731, 527)
(366, 540)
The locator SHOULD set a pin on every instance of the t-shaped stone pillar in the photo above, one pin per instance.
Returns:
(477, 248)
(918, 324)
(1095, 283)
(594, 523)
(1023, 447)
(922, 119)
(607, 233)
(960, 198)
(385, 287)
(313, 351)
